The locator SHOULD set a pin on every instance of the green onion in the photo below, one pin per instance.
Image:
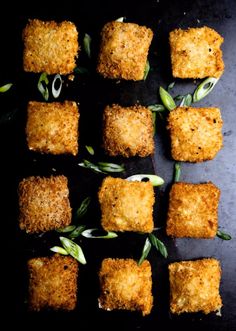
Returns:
(146, 70)
(146, 249)
(87, 44)
(68, 228)
(167, 99)
(177, 172)
(204, 88)
(77, 232)
(179, 97)
(156, 108)
(89, 234)
(5, 87)
(89, 165)
(56, 91)
(154, 116)
(83, 208)
(155, 180)
(90, 149)
(186, 101)
(60, 250)
(170, 86)
(110, 167)
(120, 19)
(43, 90)
(81, 70)
(158, 244)
(223, 235)
(73, 249)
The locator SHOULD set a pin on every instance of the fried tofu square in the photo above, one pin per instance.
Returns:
(128, 131)
(196, 53)
(124, 50)
(44, 204)
(50, 47)
(53, 283)
(126, 206)
(196, 133)
(53, 127)
(126, 285)
(193, 210)
(194, 286)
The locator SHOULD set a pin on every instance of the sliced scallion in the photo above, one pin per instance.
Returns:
(83, 208)
(222, 235)
(56, 91)
(159, 245)
(89, 234)
(157, 108)
(67, 229)
(170, 86)
(155, 180)
(146, 249)
(110, 167)
(87, 44)
(43, 90)
(167, 99)
(177, 172)
(186, 101)
(120, 19)
(90, 149)
(204, 88)
(77, 232)
(60, 250)
(146, 70)
(73, 249)
(5, 87)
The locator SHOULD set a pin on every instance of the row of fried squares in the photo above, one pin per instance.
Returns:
(125, 206)
(196, 133)
(125, 285)
(53, 48)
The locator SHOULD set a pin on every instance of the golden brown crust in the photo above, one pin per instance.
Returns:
(123, 51)
(126, 206)
(53, 127)
(195, 133)
(194, 286)
(50, 47)
(196, 53)
(44, 204)
(53, 283)
(193, 210)
(125, 285)
(128, 131)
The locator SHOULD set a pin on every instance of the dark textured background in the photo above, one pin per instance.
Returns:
(94, 93)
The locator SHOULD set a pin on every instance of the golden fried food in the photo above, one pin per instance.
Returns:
(196, 53)
(194, 286)
(196, 133)
(53, 283)
(44, 204)
(123, 51)
(50, 47)
(53, 127)
(126, 206)
(193, 210)
(128, 131)
(125, 285)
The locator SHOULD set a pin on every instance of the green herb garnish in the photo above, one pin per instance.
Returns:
(90, 149)
(177, 172)
(204, 88)
(60, 250)
(83, 208)
(43, 90)
(67, 229)
(77, 231)
(157, 108)
(102, 167)
(120, 19)
(56, 91)
(167, 99)
(186, 101)
(89, 234)
(5, 87)
(158, 244)
(146, 249)
(222, 235)
(87, 44)
(170, 86)
(146, 70)
(155, 180)
(73, 249)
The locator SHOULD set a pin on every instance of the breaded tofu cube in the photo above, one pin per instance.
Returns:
(196, 133)
(126, 206)
(53, 127)
(123, 51)
(126, 285)
(194, 286)
(53, 283)
(44, 204)
(193, 210)
(50, 47)
(196, 53)
(128, 131)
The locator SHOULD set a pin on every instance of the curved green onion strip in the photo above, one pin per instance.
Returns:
(146, 249)
(89, 234)
(170, 86)
(87, 44)
(77, 232)
(156, 108)
(120, 19)
(73, 249)
(204, 88)
(222, 235)
(67, 229)
(186, 101)
(155, 180)
(56, 92)
(90, 149)
(167, 99)
(5, 87)
(60, 250)
(146, 70)
(159, 245)
(83, 208)
(43, 90)
(177, 172)
(110, 167)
